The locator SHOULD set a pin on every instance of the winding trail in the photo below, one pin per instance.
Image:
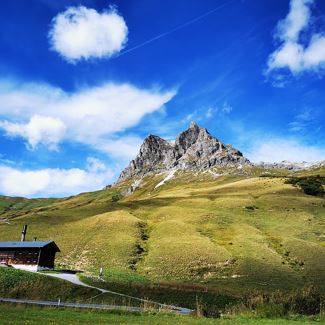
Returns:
(73, 278)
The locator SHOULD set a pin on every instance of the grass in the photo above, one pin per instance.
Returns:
(27, 285)
(229, 234)
(22, 284)
(12, 315)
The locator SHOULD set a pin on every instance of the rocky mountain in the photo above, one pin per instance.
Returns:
(294, 166)
(194, 149)
(291, 166)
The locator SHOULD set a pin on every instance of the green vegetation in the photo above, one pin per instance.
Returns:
(22, 284)
(11, 206)
(27, 285)
(311, 185)
(19, 315)
(116, 197)
(198, 238)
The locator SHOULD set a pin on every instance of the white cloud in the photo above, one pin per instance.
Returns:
(296, 20)
(293, 53)
(83, 33)
(303, 120)
(225, 109)
(289, 55)
(315, 53)
(210, 112)
(39, 130)
(90, 116)
(124, 148)
(95, 165)
(54, 182)
(276, 150)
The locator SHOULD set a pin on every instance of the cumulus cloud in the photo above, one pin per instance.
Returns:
(124, 148)
(39, 130)
(276, 150)
(90, 116)
(293, 53)
(54, 182)
(83, 33)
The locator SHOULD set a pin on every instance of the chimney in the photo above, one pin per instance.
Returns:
(23, 233)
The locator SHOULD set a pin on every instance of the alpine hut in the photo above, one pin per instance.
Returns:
(28, 255)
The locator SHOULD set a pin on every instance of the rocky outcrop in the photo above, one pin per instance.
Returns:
(294, 166)
(194, 149)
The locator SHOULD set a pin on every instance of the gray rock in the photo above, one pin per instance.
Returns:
(294, 166)
(194, 149)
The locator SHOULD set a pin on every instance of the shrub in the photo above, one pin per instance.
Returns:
(271, 310)
(311, 185)
(116, 197)
(306, 302)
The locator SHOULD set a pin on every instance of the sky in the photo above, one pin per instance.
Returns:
(82, 83)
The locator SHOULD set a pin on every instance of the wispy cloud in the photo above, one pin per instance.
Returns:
(302, 121)
(294, 53)
(223, 109)
(206, 113)
(43, 114)
(83, 33)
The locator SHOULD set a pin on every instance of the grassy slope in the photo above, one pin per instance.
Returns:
(34, 315)
(22, 284)
(27, 285)
(234, 232)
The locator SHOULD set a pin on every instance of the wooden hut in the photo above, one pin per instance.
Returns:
(28, 255)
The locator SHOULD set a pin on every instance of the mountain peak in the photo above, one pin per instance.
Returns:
(194, 149)
(194, 125)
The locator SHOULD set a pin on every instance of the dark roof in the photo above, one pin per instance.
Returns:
(28, 244)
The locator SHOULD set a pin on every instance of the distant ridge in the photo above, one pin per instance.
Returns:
(294, 166)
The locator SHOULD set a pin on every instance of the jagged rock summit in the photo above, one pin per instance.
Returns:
(194, 149)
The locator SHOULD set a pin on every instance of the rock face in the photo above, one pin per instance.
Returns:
(294, 166)
(194, 149)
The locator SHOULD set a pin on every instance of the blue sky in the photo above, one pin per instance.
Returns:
(83, 82)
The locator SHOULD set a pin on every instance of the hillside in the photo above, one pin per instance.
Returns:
(237, 232)
(27, 285)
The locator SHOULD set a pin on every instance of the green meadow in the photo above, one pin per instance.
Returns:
(19, 315)
(198, 239)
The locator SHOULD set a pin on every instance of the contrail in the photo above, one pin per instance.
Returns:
(190, 22)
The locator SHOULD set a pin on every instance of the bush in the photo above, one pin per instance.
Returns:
(306, 302)
(271, 310)
(311, 185)
(116, 197)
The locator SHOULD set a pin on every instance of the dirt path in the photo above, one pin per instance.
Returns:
(73, 278)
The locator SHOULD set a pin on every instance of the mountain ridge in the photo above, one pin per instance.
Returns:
(194, 149)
